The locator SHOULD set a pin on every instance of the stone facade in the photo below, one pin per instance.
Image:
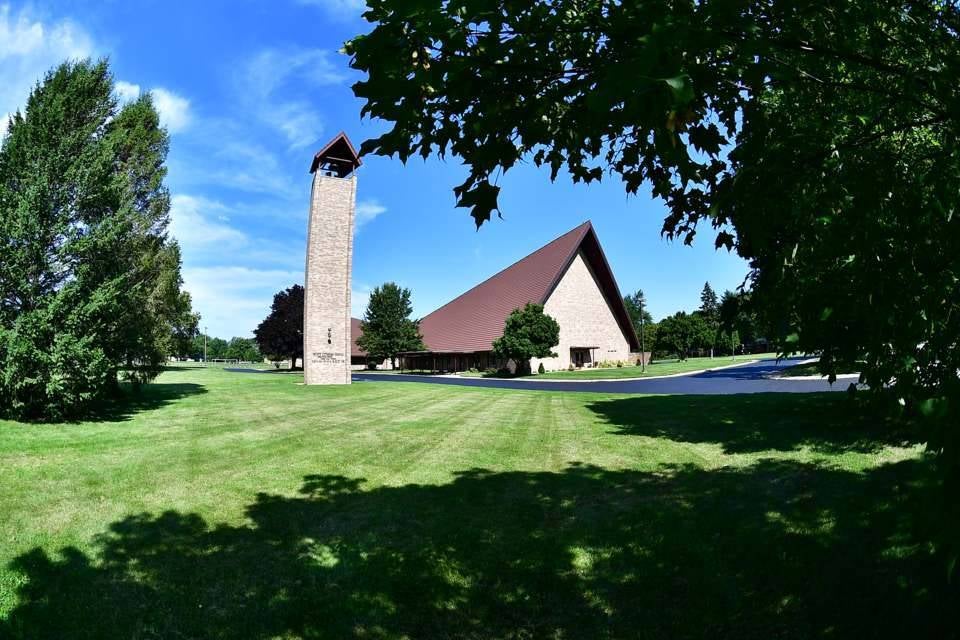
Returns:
(326, 326)
(577, 303)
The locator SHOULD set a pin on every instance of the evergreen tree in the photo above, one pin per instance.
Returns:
(280, 335)
(709, 305)
(636, 304)
(89, 282)
(386, 325)
(710, 311)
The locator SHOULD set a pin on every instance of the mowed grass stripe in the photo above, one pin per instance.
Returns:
(222, 505)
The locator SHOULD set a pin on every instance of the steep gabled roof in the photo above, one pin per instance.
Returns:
(472, 321)
(339, 155)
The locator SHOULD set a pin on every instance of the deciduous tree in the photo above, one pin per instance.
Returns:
(280, 334)
(819, 139)
(244, 349)
(682, 332)
(528, 333)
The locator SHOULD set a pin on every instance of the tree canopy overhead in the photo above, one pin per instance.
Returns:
(819, 139)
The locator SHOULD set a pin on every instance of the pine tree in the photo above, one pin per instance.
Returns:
(89, 283)
(710, 311)
(636, 304)
(709, 305)
(387, 326)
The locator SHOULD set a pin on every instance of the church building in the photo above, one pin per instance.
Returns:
(570, 277)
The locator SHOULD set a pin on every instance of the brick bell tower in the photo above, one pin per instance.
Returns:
(326, 309)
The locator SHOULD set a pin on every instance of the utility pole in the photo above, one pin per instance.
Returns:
(643, 350)
(204, 346)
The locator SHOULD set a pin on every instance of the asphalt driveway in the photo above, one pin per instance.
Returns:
(757, 377)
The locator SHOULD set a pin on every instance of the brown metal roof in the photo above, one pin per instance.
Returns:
(356, 332)
(339, 153)
(472, 321)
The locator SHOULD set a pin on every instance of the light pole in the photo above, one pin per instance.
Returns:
(204, 346)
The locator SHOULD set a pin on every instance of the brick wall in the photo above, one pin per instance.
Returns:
(326, 326)
(586, 319)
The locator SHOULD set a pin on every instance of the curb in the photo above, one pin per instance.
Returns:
(590, 380)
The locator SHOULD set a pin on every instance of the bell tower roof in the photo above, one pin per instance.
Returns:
(337, 157)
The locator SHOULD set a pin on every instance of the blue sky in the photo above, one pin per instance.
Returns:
(250, 90)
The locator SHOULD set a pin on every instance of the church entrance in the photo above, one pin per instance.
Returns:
(580, 357)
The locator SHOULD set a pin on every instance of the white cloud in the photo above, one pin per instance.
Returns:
(193, 225)
(29, 48)
(359, 299)
(22, 37)
(126, 91)
(367, 210)
(174, 110)
(222, 157)
(270, 85)
(233, 300)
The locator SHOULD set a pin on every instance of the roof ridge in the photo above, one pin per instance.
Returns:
(584, 226)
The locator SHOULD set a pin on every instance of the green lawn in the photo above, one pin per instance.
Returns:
(225, 505)
(656, 368)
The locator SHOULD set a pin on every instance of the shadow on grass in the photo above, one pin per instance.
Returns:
(148, 397)
(779, 549)
(825, 422)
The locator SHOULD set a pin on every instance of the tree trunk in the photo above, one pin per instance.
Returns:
(293, 362)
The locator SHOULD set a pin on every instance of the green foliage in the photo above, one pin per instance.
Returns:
(387, 326)
(821, 141)
(186, 327)
(709, 305)
(216, 348)
(710, 312)
(738, 320)
(244, 349)
(280, 335)
(682, 332)
(636, 304)
(541, 369)
(528, 333)
(650, 332)
(89, 282)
